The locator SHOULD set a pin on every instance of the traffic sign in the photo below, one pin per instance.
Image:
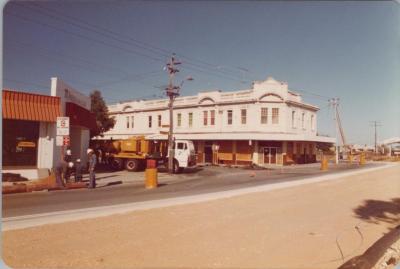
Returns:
(59, 140)
(66, 140)
(62, 125)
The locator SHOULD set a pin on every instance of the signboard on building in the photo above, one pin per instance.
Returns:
(62, 126)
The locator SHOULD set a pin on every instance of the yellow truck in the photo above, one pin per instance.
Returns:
(132, 153)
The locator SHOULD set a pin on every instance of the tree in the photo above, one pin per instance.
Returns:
(99, 108)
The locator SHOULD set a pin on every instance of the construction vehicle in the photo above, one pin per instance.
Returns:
(132, 154)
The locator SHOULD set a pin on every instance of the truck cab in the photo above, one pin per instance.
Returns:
(185, 155)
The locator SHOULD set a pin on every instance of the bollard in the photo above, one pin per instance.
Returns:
(324, 163)
(151, 174)
(350, 158)
(362, 158)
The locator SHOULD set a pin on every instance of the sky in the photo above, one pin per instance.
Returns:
(322, 49)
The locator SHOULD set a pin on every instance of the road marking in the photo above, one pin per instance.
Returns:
(26, 221)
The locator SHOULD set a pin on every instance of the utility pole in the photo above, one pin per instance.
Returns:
(334, 102)
(376, 124)
(172, 92)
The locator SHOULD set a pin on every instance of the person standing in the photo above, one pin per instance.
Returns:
(78, 171)
(68, 159)
(61, 168)
(92, 165)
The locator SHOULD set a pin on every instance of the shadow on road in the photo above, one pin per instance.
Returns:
(376, 211)
(111, 184)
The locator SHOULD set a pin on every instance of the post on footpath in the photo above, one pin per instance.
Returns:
(350, 156)
(324, 163)
(151, 174)
(362, 158)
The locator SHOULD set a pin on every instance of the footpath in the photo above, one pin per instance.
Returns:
(318, 224)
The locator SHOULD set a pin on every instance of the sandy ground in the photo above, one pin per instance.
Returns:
(297, 227)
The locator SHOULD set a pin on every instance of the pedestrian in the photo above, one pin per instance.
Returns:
(92, 165)
(68, 159)
(78, 171)
(61, 168)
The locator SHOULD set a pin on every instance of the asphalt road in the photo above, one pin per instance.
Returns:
(200, 180)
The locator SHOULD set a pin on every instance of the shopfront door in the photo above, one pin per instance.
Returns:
(270, 155)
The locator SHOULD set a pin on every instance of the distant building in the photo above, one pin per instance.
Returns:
(267, 124)
(29, 128)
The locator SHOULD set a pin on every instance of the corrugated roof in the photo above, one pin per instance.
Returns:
(29, 106)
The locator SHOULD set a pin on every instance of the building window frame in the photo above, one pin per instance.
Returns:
(159, 118)
(190, 119)
(303, 116)
(150, 121)
(264, 115)
(212, 117)
(293, 119)
(243, 116)
(179, 119)
(127, 122)
(132, 122)
(230, 117)
(205, 118)
(275, 115)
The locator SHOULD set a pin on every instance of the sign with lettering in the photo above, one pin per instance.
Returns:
(62, 125)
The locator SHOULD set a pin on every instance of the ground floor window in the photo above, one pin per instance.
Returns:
(20, 142)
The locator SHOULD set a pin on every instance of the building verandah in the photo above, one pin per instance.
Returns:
(247, 152)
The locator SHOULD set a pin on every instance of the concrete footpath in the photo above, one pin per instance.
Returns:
(303, 224)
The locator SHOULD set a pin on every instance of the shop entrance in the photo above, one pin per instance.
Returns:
(208, 152)
(270, 155)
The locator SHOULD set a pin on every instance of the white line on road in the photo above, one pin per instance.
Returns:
(20, 222)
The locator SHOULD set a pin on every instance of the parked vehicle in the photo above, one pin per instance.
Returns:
(132, 154)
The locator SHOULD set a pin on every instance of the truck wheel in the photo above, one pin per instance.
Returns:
(116, 164)
(132, 165)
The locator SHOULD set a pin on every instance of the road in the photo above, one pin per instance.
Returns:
(317, 225)
(197, 181)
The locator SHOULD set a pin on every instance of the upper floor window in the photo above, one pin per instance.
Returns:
(243, 116)
(179, 121)
(212, 117)
(293, 119)
(205, 116)
(275, 115)
(312, 123)
(230, 116)
(159, 120)
(150, 121)
(127, 122)
(264, 115)
(132, 121)
(190, 119)
(302, 121)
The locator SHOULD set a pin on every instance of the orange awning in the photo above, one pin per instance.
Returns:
(29, 106)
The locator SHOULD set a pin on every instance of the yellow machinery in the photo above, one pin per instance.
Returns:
(132, 153)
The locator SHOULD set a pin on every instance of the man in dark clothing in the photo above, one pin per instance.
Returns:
(61, 168)
(78, 171)
(92, 164)
(68, 159)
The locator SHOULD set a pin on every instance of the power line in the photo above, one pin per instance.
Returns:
(138, 43)
(194, 65)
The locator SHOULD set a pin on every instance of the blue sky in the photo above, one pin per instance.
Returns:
(349, 50)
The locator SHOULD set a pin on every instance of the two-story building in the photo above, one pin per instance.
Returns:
(267, 124)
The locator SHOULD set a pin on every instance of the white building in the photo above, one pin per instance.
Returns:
(267, 124)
